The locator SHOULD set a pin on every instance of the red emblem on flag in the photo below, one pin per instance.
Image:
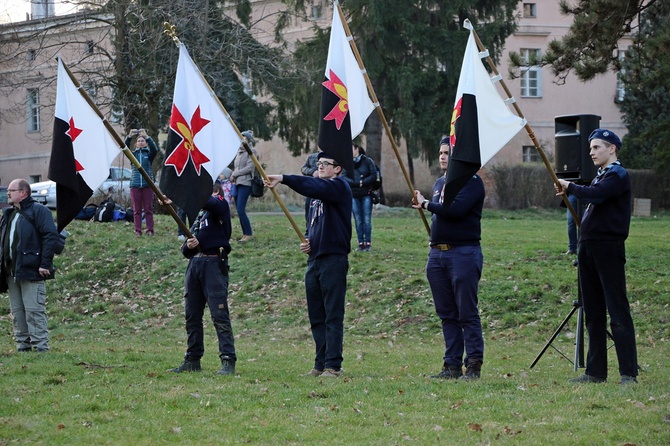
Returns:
(339, 112)
(454, 117)
(73, 132)
(186, 148)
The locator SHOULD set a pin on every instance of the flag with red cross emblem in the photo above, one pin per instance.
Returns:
(82, 150)
(201, 140)
(345, 102)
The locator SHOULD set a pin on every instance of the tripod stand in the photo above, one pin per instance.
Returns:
(579, 338)
(579, 335)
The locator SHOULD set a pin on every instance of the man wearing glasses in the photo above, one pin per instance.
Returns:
(27, 239)
(327, 244)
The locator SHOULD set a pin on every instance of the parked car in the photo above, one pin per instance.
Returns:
(3, 198)
(116, 186)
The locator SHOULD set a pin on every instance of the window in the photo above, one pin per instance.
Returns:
(531, 75)
(529, 10)
(317, 11)
(33, 100)
(31, 55)
(35, 178)
(531, 155)
(90, 46)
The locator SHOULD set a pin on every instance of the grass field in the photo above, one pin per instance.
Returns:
(116, 325)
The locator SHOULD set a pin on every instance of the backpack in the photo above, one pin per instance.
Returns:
(105, 211)
(87, 212)
(378, 181)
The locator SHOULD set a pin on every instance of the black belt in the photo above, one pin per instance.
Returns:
(205, 255)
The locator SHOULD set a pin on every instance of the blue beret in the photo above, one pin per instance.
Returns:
(606, 135)
(446, 140)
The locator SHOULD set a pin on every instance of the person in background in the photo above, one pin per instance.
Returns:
(602, 258)
(206, 284)
(310, 169)
(28, 237)
(141, 194)
(243, 168)
(328, 242)
(226, 187)
(361, 181)
(453, 270)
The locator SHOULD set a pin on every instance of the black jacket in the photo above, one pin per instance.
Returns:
(363, 177)
(33, 243)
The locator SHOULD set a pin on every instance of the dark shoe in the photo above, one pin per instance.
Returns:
(227, 366)
(187, 366)
(368, 247)
(361, 247)
(570, 252)
(331, 373)
(449, 372)
(473, 371)
(315, 372)
(586, 379)
(626, 379)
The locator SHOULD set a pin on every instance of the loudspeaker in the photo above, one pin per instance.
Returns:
(572, 147)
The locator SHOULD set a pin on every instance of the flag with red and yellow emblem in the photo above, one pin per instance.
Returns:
(82, 150)
(481, 124)
(201, 140)
(345, 102)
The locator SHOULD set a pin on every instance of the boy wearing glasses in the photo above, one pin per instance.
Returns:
(328, 244)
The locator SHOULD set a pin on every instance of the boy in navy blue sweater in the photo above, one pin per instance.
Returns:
(328, 245)
(453, 270)
(206, 284)
(602, 259)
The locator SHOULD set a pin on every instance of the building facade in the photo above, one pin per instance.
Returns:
(26, 107)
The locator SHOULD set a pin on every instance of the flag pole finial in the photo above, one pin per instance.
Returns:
(171, 31)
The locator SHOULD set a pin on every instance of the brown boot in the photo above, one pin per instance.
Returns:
(473, 370)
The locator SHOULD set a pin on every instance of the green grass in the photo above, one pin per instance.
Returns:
(115, 315)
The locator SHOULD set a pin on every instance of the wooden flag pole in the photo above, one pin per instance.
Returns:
(126, 151)
(528, 128)
(170, 30)
(380, 112)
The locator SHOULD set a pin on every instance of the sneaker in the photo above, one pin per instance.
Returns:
(570, 252)
(473, 371)
(586, 379)
(449, 372)
(245, 238)
(315, 372)
(227, 366)
(331, 373)
(187, 366)
(626, 379)
(368, 247)
(361, 247)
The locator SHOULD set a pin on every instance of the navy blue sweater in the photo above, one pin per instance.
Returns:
(608, 199)
(329, 225)
(459, 223)
(212, 228)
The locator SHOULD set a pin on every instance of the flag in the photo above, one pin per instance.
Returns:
(345, 103)
(82, 150)
(201, 140)
(481, 123)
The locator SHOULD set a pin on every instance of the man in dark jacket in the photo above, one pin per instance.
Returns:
(206, 284)
(328, 245)
(28, 236)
